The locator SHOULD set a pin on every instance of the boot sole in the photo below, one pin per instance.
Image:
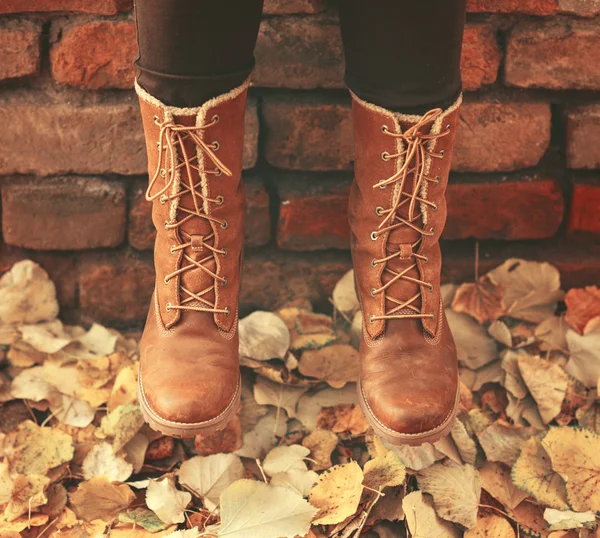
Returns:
(412, 439)
(184, 430)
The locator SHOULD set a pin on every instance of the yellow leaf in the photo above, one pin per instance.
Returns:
(336, 364)
(99, 499)
(496, 480)
(575, 456)
(321, 444)
(491, 527)
(337, 493)
(28, 493)
(384, 471)
(422, 520)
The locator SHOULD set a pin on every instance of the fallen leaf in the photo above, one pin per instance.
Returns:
(336, 364)
(417, 457)
(311, 403)
(575, 457)
(344, 294)
(250, 508)
(122, 424)
(422, 519)
(503, 442)
(531, 289)
(282, 459)
(500, 332)
(513, 378)
(475, 379)
(38, 449)
(583, 304)
(343, 418)
(533, 473)
(166, 501)
(465, 444)
(27, 295)
(207, 477)
(547, 382)
(481, 300)
(567, 519)
(124, 390)
(491, 527)
(283, 396)
(102, 461)
(474, 346)
(145, 518)
(337, 493)
(496, 480)
(584, 354)
(97, 342)
(321, 444)
(71, 411)
(299, 481)
(135, 451)
(263, 336)
(49, 337)
(552, 334)
(99, 499)
(384, 471)
(447, 482)
(258, 441)
(27, 494)
(229, 439)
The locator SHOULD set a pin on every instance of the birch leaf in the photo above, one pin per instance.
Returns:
(531, 289)
(311, 403)
(417, 457)
(482, 300)
(337, 493)
(48, 337)
(344, 294)
(298, 481)
(263, 336)
(99, 499)
(282, 396)
(122, 424)
(250, 508)
(72, 411)
(583, 305)
(145, 518)
(448, 482)
(567, 519)
(282, 459)
(336, 364)
(533, 473)
(28, 493)
(502, 442)
(166, 501)
(575, 456)
(465, 444)
(422, 519)
(474, 346)
(259, 440)
(547, 382)
(491, 527)
(584, 358)
(384, 471)
(102, 461)
(552, 333)
(208, 476)
(496, 480)
(321, 444)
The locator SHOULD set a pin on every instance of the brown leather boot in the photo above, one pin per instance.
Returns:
(408, 385)
(189, 380)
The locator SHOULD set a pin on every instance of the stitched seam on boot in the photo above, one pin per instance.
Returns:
(438, 332)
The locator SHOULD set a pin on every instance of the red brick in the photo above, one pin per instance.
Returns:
(141, 232)
(59, 138)
(70, 213)
(556, 54)
(521, 207)
(583, 8)
(583, 133)
(19, 48)
(313, 212)
(59, 265)
(530, 7)
(115, 287)
(95, 55)
(287, 7)
(584, 213)
(501, 136)
(480, 56)
(101, 7)
(299, 52)
(306, 134)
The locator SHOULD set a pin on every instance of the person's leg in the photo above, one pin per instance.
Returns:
(403, 55)
(193, 50)
(195, 58)
(404, 73)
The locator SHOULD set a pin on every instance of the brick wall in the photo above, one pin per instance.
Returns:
(525, 176)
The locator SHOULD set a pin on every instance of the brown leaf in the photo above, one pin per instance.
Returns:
(583, 304)
(99, 499)
(481, 300)
(343, 418)
(321, 444)
(229, 439)
(336, 364)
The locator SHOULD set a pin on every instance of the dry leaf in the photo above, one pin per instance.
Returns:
(166, 501)
(448, 482)
(337, 493)
(99, 499)
(547, 383)
(417, 457)
(575, 456)
(336, 364)
(298, 481)
(384, 471)
(135, 451)
(282, 459)
(145, 518)
(344, 294)
(474, 347)
(321, 444)
(208, 476)
(27, 494)
(491, 527)
(27, 295)
(496, 480)
(552, 333)
(422, 519)
(583, 304)
(465, 444)
(584, 358)
(102, 461)
(533, 473)
(502, 442)
(311, 403)
(481, 300)
(475, 379)
(531, 289)
(567, 519)
(122, 424)
(283, 396)
(124, 390)
(258, 441)
(343, 418)
(229, 439)
(263, 336)
(250, 508)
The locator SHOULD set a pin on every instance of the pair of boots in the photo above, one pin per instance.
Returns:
(189, 380)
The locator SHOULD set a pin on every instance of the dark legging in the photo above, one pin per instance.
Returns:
(400, 54)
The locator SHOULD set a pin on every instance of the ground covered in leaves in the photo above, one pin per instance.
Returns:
(77, 460)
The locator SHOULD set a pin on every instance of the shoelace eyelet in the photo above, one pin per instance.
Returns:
(224, 282)
(225, 252)
(166, 281)
(216, 118)
(227, 311)
(220, 200)
(430, 287)
(224, 225)
(163, 173)
(371, 318)
(216, 145)
(373, 262)
(172, 251)
(218, 172)
(167, 225)
(434, 207)
(384, 129)
(374, 236)
(379, 211)
(385, 156)
(158, 147)
(373, 292)
(163, 199)
(168, 307)
(155, 119)
(437, 179)
(442, 153)
(426, 259)
(449, 127)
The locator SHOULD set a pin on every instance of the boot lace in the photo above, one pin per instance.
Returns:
(415, 161)
(171, 138)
